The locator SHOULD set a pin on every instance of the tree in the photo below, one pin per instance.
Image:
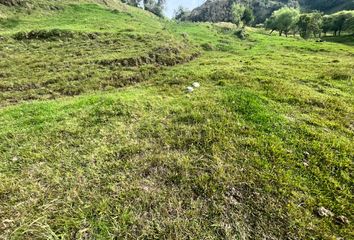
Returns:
(247, 17)
(242, 14)
(341, 21)
(271, 23)
(349, 24)
(237, 13)
(316, 23)
(328, 24)
(283, 20)
(181, 14)
(310, 23)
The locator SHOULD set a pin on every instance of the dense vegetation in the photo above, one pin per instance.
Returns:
(99, 139)
(286, 20)
(327, 6)
(153, 6)
(222, 10)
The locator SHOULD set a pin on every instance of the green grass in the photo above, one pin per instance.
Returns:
(347, 39)
(90, 149)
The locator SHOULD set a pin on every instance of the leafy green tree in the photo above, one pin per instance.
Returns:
(341, 21)
(310, 23)
(237, 13)
(283, 20)
(271, 23)
(242, 15)
(328, 24)
(316, 23)
(349, 24)
(247, 17)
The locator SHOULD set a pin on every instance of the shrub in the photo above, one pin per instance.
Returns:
(207, 47)
(341, 76)
(225, 26)
(241, 33)
(44, 35)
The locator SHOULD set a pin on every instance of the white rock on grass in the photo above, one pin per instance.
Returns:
(343, 220)
(190, 89)
(323, 212)
(196, 84)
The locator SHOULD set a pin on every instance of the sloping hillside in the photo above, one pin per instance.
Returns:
(221, 10)
(327, 6)
(91, 47)
(99, 138)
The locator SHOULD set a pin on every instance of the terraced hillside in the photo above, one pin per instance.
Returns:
(85, 53)
(99, 139)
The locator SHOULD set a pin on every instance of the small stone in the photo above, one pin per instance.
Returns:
(306, 164)
(196, 84)
(323, 212)
(15, 159)
(190, 89)
(342, 220)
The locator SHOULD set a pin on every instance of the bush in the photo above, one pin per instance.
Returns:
(225, 26)
(341, 76)
(241, 33)
(207, 47)
(53, 34)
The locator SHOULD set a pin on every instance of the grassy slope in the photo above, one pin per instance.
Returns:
(266, 140)
(88, 59)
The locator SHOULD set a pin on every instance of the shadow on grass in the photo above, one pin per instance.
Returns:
(347, 39)
(9, 23)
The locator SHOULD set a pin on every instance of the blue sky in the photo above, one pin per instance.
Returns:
(173, 4)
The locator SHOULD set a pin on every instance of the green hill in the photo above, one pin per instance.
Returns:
(100, 140)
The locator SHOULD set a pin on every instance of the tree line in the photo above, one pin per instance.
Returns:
(290, 21)
(286, 20)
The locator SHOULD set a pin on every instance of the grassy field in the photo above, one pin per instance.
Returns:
(99, 139)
